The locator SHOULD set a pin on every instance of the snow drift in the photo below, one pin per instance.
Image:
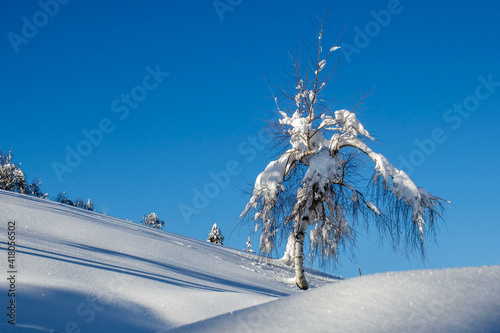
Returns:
(447, 300)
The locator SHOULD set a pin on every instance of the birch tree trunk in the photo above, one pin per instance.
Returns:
(300, 278)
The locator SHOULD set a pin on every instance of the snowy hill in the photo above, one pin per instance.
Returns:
(80, 270)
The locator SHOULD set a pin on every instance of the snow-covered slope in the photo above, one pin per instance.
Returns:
(447, 300)
(79, 270)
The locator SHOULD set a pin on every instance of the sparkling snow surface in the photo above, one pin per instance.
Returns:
(79, 270)
(447, 300)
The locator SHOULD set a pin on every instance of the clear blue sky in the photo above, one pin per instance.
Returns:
(196, 94)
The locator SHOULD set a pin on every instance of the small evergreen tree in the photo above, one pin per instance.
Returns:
(79, 203)
(34, 190)
(12, 178)
(215, 236)
(249, 245)
(62, 198)
(152, 220)
(89, 205)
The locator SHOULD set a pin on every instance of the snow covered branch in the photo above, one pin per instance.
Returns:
(324, 192)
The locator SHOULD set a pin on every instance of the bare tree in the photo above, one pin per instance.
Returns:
(317, 180)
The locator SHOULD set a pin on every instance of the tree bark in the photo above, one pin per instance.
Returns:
(300, 278)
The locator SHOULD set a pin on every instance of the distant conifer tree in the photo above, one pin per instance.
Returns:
(152, 220)
(62, 198)
(249, 245)
(12, 178)
(215, 236)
